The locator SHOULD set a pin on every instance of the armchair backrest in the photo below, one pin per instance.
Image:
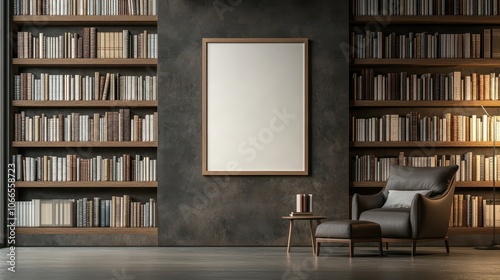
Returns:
(435, 179)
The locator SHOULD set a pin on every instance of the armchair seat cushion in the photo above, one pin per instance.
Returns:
(394, 222)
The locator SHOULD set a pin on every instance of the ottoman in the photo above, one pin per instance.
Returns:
(348, 231)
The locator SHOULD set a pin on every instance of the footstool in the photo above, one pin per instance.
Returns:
(348, 231)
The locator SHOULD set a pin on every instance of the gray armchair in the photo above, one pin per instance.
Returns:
(423, 217)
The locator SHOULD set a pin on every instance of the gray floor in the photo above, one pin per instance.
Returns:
(248, 263)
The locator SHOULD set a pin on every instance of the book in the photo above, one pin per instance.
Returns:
(106, 87)
(86, 42)
(495, 43)
(93, 42)
(487, 43)
(97, 211)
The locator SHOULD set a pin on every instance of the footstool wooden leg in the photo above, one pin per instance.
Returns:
(447, 246)
(387, 245)
(380, 248)
(351, 248)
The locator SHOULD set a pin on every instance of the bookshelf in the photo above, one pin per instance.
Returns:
(460, 184)
(423, 103)
(416, 144)
(86, 103)
(87, 184)
(429, 20)
(363, 108)
(85, 62)
(90, 230)
(427, 62)
(86, 149)
(106, 144)
(84, 20)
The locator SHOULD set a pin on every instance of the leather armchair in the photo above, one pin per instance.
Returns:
(428, 216)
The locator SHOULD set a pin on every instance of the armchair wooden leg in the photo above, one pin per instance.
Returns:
(387, 245)
(317, 248)
(413, 248)
(447, 245)
(351, 249)
(381, 249)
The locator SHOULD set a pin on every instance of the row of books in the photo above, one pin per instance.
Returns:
(473, 211)
(70, 168)
(413, 127)
(92, 44)
(119, 211)
(472, 167)
(109, 86)
(425, 45)
(85, 7)
(455, 85)
(112, 126)
(426, 7)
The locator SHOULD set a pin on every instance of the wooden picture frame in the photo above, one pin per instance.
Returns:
(255, 106)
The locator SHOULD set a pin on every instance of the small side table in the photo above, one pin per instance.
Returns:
(307, 218)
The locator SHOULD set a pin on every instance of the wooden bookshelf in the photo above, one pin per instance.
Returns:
(103, 144)
(88, 103)
(417, 144)
(85, 184)
(404, 25)
(85, 62)
(424, 103)
(427, 62)
(472, 230)
(87, 230)
(428, 20)
(84, 20)
(135, 66)
(460, 184)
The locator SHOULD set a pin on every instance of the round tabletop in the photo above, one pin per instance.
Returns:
(304, 217)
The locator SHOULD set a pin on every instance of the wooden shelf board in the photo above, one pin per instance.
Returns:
(434, 20)
(424, 103)
(85, 62)
(105, 144)
(87, 230)
(83, 20)
(85, 184)
(82, 103)
(427, 62)
(469, 230)
(401, 144)
(460, 184)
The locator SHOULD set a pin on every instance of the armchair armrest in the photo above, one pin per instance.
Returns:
(430, 217)
(361, 203)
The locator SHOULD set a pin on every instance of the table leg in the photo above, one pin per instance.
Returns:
(289, 236)
(312, 236)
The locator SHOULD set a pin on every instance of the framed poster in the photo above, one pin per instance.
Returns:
(255, 100)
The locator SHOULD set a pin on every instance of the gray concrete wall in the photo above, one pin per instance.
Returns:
(247, 210)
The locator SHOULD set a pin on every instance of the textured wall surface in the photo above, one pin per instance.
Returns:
(247, 210)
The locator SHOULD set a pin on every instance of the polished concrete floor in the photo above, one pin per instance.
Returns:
(248, 263)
